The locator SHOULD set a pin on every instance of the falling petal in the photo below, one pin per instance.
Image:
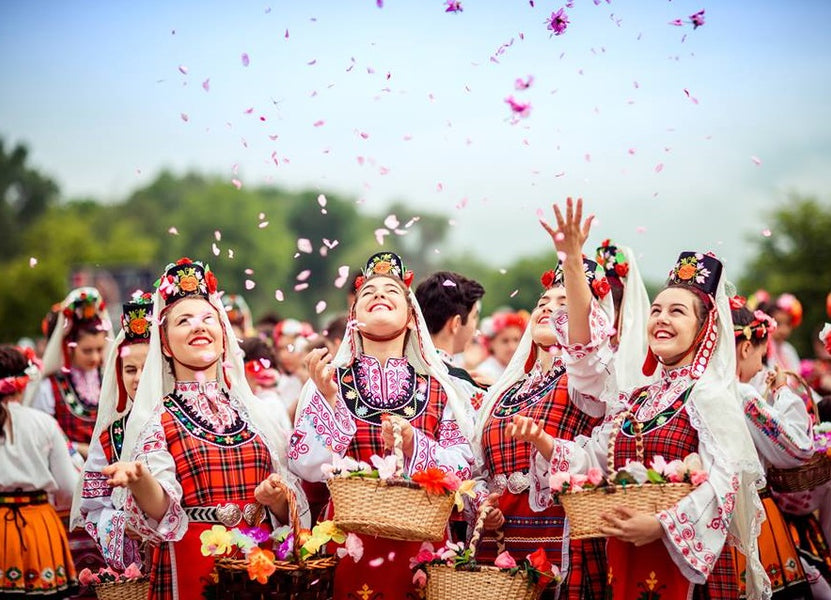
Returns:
(237, 183)
(659, 167)
(184, 117)
(249, 285)
(631, 151)
(300, 287)
(303, 275)
(286, 34)
(206, 85)
(249, 271)
(218, 235)
(215, 249)
(183, 69)
(319, 123)
(278, 295)
(449, 283)
(304, 245)
(391, 222)
(514, 293)
(321, 200)
(263, 224)
(376, 562)
(320, 307)
(767, 232)
(380, 234)
(230, 253)
(173, 231)
(33, 262)
(756, 160)
(245, 60)
(343, 273)
(503, 271)
(640, 229)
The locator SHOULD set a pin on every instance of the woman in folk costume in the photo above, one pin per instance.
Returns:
(239, 315)
(781, 430)
(200, 448)
(693, 408)
(552, 390)
(92, 506)
(386, 368)
(34, 551)
(72, 362)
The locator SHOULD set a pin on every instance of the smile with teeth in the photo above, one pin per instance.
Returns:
(200, 341)
(379, 306)
(663, 335)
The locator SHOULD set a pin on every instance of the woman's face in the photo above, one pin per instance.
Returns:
(194, 334)
(673, 325)
(132, 364)
(504, 344)
(749, 359)
(290, 352)
(540, 324)
(381, 307)
(783, 325)
(88, 352)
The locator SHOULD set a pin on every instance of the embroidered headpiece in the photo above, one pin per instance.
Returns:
(595, 275)
(612, 259)
(789, 304)
(388, 264)
(136, 316)
(83, 304)
(697, 270)
(186, 278)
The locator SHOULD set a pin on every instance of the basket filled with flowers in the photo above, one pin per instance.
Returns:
(288, 563)
(108, 584)
(452, 572)
(645, 489)
(384, 502)
(816, 470)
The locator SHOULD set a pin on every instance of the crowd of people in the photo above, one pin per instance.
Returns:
(122, 443)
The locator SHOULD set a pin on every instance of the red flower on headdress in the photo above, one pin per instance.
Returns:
(408, 278)
(547, 279)
(601, 287)
(359, 282)
(736, 302)
(184, 261)
(622, 269)
(210, 281)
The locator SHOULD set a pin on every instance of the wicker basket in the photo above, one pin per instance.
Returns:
(584, 508)
(395, 509)
(312, 579)
(445, 582)
(137, 589)
(812, 473)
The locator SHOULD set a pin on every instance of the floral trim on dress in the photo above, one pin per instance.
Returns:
(116, 430)
(660, 419)
(195, 424)
(80, 407)
(528, 391)
(371, 391)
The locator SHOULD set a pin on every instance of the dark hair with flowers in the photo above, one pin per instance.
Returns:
(752, 326)
(612, 259)
(388, 264)
(186, 278)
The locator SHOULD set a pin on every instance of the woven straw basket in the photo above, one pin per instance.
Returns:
(395, 509)
(584, 508)
(137, 589)
(813, 472)
(312, 579)
(445, 582)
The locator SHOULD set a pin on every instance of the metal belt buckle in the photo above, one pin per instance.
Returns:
(229, 515)
(253, 513)
(518, 482)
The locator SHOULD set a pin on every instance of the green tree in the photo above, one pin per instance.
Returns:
(795, 259)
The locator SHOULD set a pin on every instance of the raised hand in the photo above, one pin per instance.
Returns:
(526, 429)
(572, 231)
(321, 372)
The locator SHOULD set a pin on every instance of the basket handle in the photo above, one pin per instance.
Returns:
(800, 380)
(294, 518)
(484, 510)
(616, 426)
(397, 446)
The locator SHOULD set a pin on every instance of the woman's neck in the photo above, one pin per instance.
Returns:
(382, 351)
(545, 358)
(185, 373)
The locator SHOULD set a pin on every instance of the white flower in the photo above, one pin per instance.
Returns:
(637, 470)
(386, 466)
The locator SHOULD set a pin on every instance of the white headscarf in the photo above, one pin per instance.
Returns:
(421, 354)
(53, 354)
(156, 382)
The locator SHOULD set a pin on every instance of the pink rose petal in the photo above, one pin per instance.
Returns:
(236, 183)
(304, 245)
(391, 222)
(303, 275)
(343, 274)
(756, 160)
(173, 231)
(249, 285)
(320, 307)
(380, 234)
(215, 249)
(206, 85)
(767, 232)
(300, 287)
(278, 295)
(184, 117)
(183, 69)
(245, 60)
(33, 262)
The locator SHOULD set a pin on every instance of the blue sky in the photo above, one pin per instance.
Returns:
(405, 103)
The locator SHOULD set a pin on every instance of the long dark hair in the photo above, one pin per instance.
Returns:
(12, 364)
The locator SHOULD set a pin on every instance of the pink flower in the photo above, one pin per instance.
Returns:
(386, 466)
(697, 19)
(420, 579)
(452, 482)
(677, 23)
(557, 22)
(578, 480)
(659, 464)
(522, 109)
(557, 480)
(455, 6)
(523, 84)
(425, 554)
(352, 547)
(595, 476)
(675, 471)
(86, 577)
(505, 561)
(698, 477)
(132, 572)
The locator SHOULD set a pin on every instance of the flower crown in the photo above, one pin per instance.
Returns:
(385, 263)
(136, 316)
(762, 325)
(83, 304)
(825, 337)
(595, 276)
(697, 270)
(792, 306)
(186, 278)
(612, 259)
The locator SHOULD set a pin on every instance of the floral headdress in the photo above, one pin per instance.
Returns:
(761, 327)
(792, 306)
(612, 259)
(83, 304)
(18, 382)
(186, 278)
(388, 264)
(136, 316)
(697, 270)
(825, 337)
(595, 276)
(238, 312)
